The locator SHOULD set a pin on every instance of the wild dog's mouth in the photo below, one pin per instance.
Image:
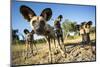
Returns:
(39, 31)
(47, 32)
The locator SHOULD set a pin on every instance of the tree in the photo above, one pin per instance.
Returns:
(69, 26)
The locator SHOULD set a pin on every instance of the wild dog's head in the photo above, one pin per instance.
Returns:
(60, 17)
(37, 23)
(86, 24)
(26, 31)
(89, 24)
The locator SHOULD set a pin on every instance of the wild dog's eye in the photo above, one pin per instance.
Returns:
(42, 21)
(33, 22)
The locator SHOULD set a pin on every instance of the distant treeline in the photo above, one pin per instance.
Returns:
(22, 42)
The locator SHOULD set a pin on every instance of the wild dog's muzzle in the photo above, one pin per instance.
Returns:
(39, 29)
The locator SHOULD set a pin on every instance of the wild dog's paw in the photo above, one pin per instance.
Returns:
(56, 52)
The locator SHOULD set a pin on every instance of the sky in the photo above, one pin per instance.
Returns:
(77, 13)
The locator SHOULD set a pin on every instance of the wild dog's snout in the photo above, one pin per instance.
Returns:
(39, 27)
(42, 23)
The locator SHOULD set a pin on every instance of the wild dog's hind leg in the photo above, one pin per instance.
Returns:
(26, 51)
(55, 47)
(55, 43)
(63, 46)
(36, 48)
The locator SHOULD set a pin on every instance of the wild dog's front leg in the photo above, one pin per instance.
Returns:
(31, 48)
(61, 47)
(50, 51)
(26, 51)
(64, 50)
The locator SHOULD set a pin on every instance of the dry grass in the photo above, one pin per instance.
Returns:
(74, 53)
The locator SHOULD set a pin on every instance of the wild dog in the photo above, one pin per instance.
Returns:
(29, 42)
(84, 29)
(81, 31)
(39, 24)
(59, 32)
(87, 27)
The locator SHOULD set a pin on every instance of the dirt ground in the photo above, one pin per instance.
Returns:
(75, 52)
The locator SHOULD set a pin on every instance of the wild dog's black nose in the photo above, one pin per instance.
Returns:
(42, 23)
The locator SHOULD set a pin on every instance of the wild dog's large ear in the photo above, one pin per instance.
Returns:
(83, 23)
(27, 12)
(26, 31)
(32, 32)
(46, 13)
(89, 23)
(60, 16)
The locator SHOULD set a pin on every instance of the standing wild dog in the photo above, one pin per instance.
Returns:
(83, 32)
(59, 33)
(84, 29)
(39, 24)
(87, 27)
(29, 41)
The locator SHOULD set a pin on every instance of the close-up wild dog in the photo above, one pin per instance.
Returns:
(39, 24)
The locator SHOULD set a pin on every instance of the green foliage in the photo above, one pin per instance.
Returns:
(73, 37)
(69, 26)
